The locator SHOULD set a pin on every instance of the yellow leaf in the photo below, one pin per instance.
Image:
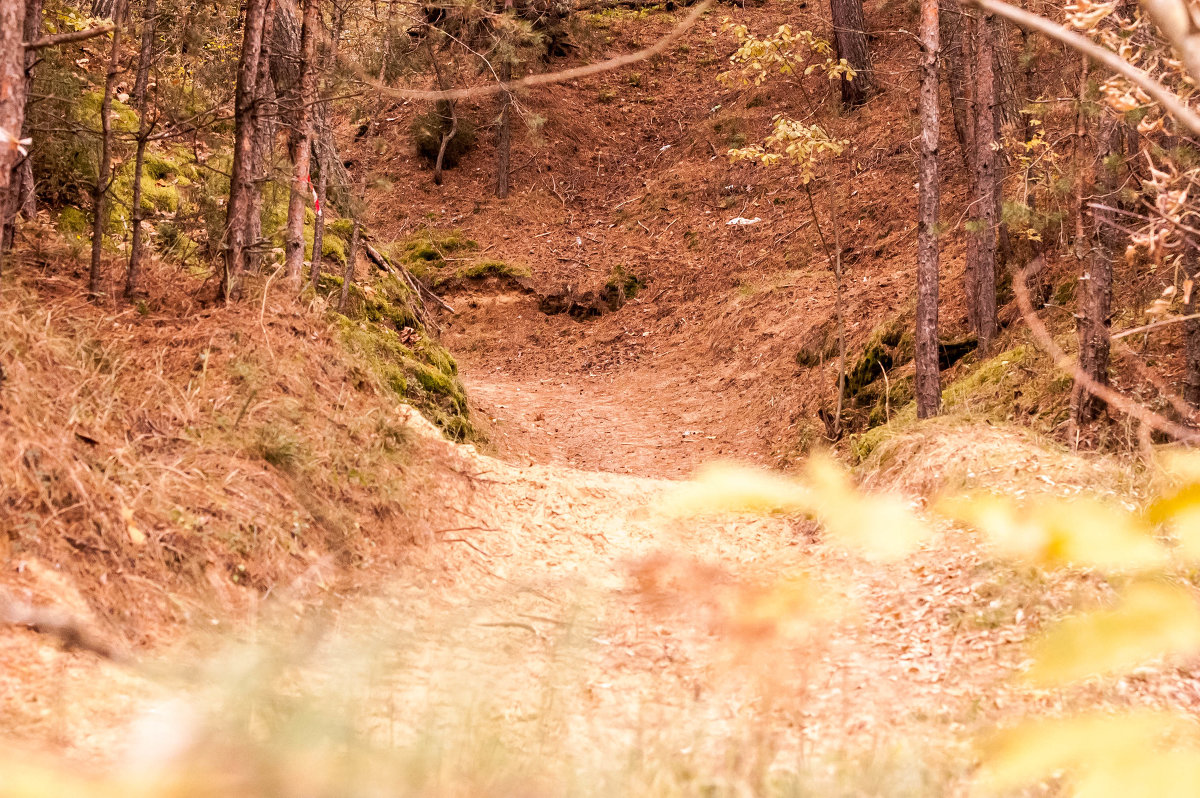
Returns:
(882, 526)
(1082, 746)
(731, 488)
(1055, 532)
(1151, 620)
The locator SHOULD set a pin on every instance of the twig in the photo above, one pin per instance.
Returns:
(1152, 326)
(1113, 399)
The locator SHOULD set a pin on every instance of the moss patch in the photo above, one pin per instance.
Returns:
(382, 331)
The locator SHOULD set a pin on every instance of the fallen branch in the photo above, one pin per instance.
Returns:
(67, 629)
(1104, 393)
(416, 285)
(70, 37)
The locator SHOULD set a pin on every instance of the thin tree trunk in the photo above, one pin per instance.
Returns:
(20, 196)
(149, 21)
(243, 143)
(956, 55)
(840, 295)
(850, 40)
(301, 148)
(449, 105)
(1094, 295)
(983, 271)
(319, 223)
(351, 260)
(1191, 378)
(504, 134)
(263, 146)
(323, 163)
(104, 172)
(928, 378)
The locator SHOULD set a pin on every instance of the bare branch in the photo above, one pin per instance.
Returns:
(70, 37)
(550, 77)
(1154, 326)
(1170, 101)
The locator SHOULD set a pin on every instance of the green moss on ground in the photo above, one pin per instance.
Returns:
(381, 329)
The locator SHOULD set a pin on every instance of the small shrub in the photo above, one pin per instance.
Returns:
(428, 130)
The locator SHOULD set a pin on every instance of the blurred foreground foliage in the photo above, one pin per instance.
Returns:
(263, 721)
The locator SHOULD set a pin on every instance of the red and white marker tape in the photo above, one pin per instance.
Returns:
(316, 199)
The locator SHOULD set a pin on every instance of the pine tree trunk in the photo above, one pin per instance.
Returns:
(20, 196)
(1094, 296)
(928, 383)
(263, 144)
(146, 54)
(351, 261)
(982, 272)
(319, 224)
(243, 143)
(1191, 345)
(104, 172)
(956, 38)
(850, 40)
(323, 163)
(301, 146)
(504, 134)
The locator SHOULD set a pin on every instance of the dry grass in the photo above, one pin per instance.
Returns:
(176, 467)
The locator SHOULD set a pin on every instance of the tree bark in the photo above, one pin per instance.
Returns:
(243, 143)
(20, 197)
(504, 134)
(351, 260)
(323, 160)
(850, 40)
(956, 38)
(1094, 295)
(928, 379)
(981, 272)
(319, 224)
(149, 21)
(1191, 346)
(104, 172)
(301, 146)
(263, 145)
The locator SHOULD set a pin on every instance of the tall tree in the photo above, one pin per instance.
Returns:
(1092, 225)
(850, 40)
(504, 130)
(263, 127)
(104, 170)
(20, 196)
(243, 143)
(1191, 344)
(928, 384)
(981, 265)
(12, 91)
(301, 147)
(323, 162)
(956, 38)
(145, 126)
